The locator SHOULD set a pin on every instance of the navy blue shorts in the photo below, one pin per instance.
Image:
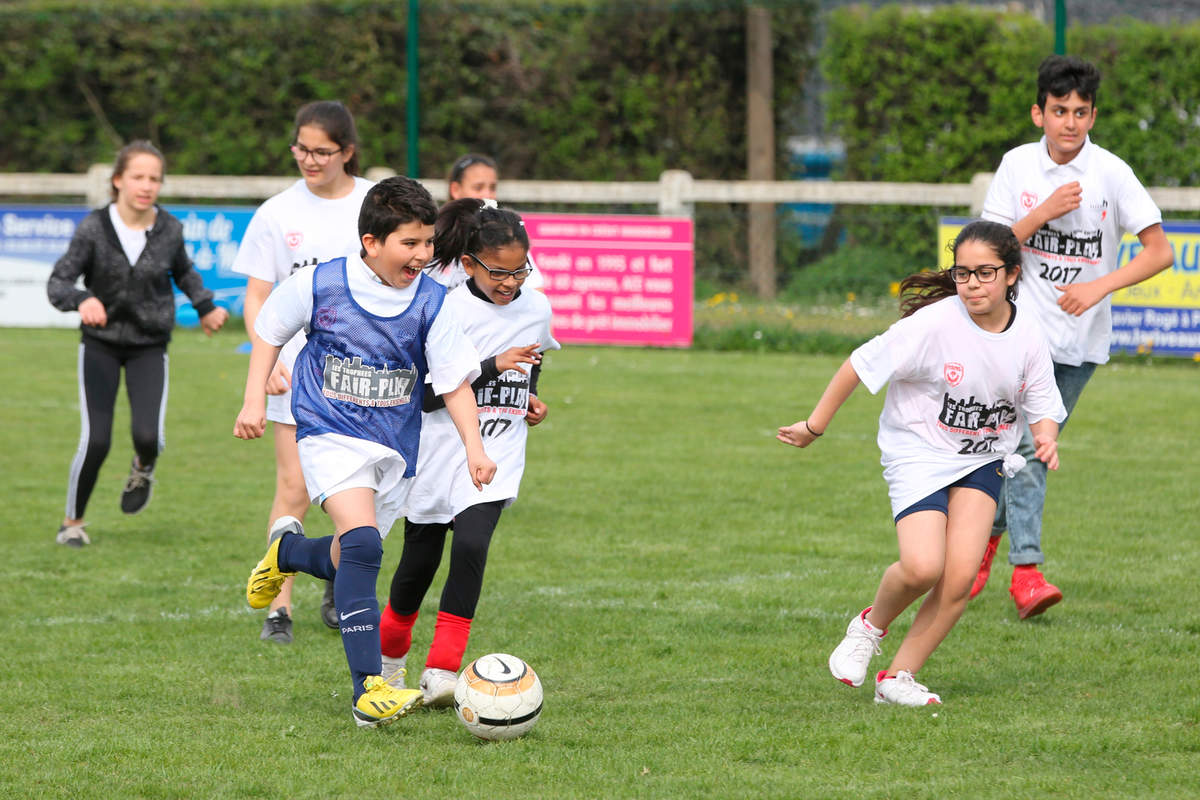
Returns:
(989, 478)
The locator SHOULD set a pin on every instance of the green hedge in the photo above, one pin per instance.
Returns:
(567, 90)
(940, 95)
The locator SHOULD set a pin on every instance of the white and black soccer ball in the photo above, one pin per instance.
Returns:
(498, 696)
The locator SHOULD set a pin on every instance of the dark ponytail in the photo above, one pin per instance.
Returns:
(471, 225)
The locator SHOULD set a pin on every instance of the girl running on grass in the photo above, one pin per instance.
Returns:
(962, 367)
(312, 221)
(510, 327)
(128, 253)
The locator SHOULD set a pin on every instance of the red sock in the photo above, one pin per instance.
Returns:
(395, 632)
(450, 634)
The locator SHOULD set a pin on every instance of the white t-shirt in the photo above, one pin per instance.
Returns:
(955, 395)
(442, 487)
(296, 229)
(455, 275)
(328, 460)
(133, 240)
(1077, 247)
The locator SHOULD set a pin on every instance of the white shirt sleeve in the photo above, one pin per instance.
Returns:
(1041, 398)
(998, 203)
(451, 357)
(287, 310)
(889, 355)
(257, 254)
(1136, 208)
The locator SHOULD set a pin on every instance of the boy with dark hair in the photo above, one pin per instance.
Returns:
(1069, 202)
(376, 327)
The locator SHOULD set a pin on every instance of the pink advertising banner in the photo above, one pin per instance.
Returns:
(616, 279)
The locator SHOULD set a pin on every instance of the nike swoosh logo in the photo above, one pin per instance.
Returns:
(503, 667)
(352, 613)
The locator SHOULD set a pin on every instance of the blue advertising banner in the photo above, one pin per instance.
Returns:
(33, 237)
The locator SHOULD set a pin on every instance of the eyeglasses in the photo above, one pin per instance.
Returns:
(320, 156)
(984, 274)
(503, 274)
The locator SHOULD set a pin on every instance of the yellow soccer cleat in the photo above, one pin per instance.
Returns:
(266, 579)
(381, 703)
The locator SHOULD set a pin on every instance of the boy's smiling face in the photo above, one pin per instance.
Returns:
(400, 257)
(1066, 121)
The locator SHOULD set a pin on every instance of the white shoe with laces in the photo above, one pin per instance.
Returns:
(903, 690)
(394, 671)
(850, 660)
(437, 686)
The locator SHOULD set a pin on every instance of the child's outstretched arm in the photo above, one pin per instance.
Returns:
(1045, 442)
(252, 419)
(806, 431)
(460, 403)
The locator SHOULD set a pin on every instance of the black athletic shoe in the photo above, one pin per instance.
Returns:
(329, 614)
(138, 488)
(277, 627)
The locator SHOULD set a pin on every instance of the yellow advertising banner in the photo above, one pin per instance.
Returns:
(1160, 315)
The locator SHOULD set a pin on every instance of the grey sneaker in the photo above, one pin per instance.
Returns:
(277, 627)
(394, 672)
(138, 488)
(72, 536)
(328, 611)
(437, 687)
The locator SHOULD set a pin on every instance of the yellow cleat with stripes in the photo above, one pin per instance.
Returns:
(381, 703)
(266, 579)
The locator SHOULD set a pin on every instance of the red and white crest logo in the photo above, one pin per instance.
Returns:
(953, 372)
(293, 239)
(1028, 200)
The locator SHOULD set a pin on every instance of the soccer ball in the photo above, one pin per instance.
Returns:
(498, 696)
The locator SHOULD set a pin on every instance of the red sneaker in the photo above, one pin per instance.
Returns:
(985, 568)
(1031, 592)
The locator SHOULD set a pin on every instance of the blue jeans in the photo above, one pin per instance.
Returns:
(1020, 506)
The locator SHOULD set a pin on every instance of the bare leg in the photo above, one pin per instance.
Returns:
(966, 535)
(922, 540)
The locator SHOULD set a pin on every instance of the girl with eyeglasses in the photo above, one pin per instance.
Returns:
(962, 369)
(474, 176)
(312, 221)
(510, 327)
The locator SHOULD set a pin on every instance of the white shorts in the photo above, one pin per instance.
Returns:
(333, 463)
(279, 406)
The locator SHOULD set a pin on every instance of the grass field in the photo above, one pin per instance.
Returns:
(676, 577)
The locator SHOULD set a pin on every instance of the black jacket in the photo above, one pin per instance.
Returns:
(137, 298)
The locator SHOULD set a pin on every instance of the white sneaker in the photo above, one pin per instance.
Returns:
(849, 660)
(394, 672)
(437, 686)
(902, 690)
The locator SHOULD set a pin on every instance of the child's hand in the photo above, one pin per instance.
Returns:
(213, 320)
(1063, 200)
(251, 422)
(482, 469)
(1045, 447)
(513, 356)
(799, 435)
(92, 313)
(536, 411)
(280, 379)
(1077, 298)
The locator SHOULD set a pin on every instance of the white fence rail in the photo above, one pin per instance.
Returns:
(673, 194)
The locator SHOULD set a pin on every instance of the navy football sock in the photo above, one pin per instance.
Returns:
(302, 554)
(357, 605)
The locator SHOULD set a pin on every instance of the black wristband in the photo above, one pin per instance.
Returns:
(810, 430)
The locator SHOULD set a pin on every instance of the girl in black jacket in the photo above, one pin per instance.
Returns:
(127, 253)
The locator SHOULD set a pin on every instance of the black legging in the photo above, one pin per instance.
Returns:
(99, 376)
(423, 545)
